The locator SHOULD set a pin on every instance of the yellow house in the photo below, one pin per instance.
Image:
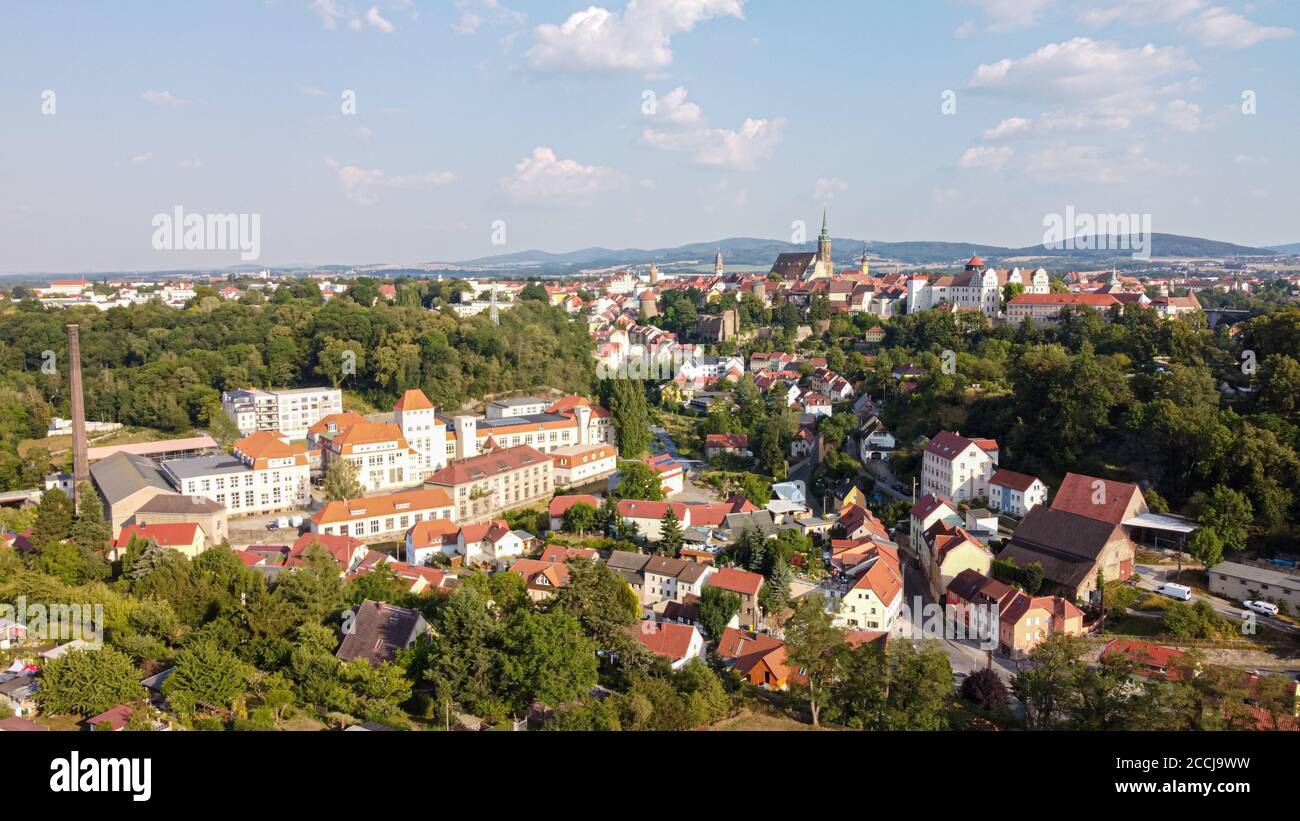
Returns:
(186, 538)
(848, 494)
(952, 550)
(875, 599)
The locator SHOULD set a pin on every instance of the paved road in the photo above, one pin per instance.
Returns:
(966, 656)
(1152, 576)
(664, 443)
(887, 480)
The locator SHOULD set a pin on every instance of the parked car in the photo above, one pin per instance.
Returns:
(1175, 591)
(272, 525)
(1267, 608)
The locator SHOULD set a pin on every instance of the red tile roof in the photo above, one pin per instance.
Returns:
(1091, 300)
(737, 581)
(181, 534)
(478, 468)
(413, 400)
(638, 509)
(724, 441)
(561, 504)
(665, 638)
(391, 504)
(948, 445)
(1078, 495)
(1009, 478)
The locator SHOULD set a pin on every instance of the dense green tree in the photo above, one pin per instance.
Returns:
(1228, 512)
(89, 530)
(53, 518)
(205, 676)
(670, 534)
(548, 659)
(811, 644)
(341, 481)
(717, 608)
(639, 481)
(579, 518)
(87, 682)
(1047, 687)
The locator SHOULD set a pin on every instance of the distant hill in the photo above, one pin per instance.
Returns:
(1293, 248)
(752, 251)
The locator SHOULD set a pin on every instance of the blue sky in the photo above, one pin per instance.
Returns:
(534, 113)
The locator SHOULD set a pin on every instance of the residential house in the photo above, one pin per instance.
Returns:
(490, 543)
(951, 551)
(848, 494)
(375, 631)
(875, 599)
(347, 552)
(1015, 493)
(876, 442)
(725, 444)
(631, 567)
(1023, 621)
(580, 464)
(924, 514)
(760, 659)
(746, 585)
(957, 468)
(672, 476)
(561, 504)
(543, 578)
(648, 516)
(668, 579)
(815, 404)
(679, 643)
(187, 539)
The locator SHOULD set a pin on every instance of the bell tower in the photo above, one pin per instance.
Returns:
(824, 245)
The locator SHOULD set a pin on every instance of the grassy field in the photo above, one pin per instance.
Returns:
(125, 436)
(750, 721)
(682, 430)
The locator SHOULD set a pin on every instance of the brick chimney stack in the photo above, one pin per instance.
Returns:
(80, 463)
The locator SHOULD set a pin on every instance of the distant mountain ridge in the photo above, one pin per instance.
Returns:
(754, 251)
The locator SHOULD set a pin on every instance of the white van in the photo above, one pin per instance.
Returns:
(1175, 591)
(1265, 607)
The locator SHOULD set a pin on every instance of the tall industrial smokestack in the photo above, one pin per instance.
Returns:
(80, 465)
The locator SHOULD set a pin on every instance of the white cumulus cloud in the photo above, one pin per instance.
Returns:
(637, 39)
(543, 177)
(1223, 28)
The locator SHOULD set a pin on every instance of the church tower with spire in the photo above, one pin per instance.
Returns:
(866, 269)
(824, 245)
(718, 267)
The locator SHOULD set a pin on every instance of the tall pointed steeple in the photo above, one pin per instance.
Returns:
(824, 243)
(718, 267)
